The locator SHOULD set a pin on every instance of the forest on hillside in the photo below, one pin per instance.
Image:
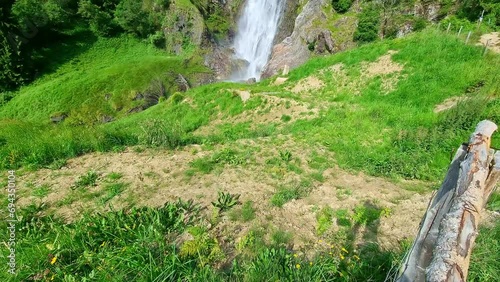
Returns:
(29, 28)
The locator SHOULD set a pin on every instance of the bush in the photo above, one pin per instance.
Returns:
(341, 6)
(99, 16)
(132, 18)
(368, 26)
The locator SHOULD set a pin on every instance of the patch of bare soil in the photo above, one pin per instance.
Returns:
(493, 41)
(308, 84)
(154, 177)
(386, 68)
(449, 103)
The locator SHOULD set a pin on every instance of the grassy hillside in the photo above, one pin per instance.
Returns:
(396, 109)
(102, 80)
(382, 123)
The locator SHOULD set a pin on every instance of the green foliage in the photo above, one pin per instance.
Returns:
(472, 10)
(343, 218)
(218, 159)
(285, 156)
(88, 179)
(226, 201)
(112, 190)
(130, 15)
(290, 192)
(366, 214)
(245, 213)
(484, 257)
(342, 6)
(100, 16)
(324, 219)
(159, 133)
(368, 25)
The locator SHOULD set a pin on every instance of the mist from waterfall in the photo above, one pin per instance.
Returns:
(253, 43)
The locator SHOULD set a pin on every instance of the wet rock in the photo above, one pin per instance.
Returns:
(293, 50)
(182, 83)
(324, 42)
(251, 80)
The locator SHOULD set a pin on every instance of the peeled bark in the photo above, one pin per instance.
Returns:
(441, 251)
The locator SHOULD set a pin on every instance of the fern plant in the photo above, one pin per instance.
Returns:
(225, 201)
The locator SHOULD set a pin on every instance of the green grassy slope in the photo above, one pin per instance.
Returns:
(118, 67)
(393, 134)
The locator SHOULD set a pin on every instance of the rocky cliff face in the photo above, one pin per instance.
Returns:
(317, 29)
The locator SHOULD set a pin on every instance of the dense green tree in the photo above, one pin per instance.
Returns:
(130, 15)
(100, 16)
(368, 25)
(342, 6)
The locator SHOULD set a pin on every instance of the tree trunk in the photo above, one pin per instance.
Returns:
(441, 251)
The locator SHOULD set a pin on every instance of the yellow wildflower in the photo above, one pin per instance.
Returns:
(295, 255)
(53, 260)
(310, 263)
(356, 257)
(103, 244)
(344, 250)
(297, 266)
(52, 278)
(341, 256)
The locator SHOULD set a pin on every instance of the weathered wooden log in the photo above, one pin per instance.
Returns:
(442, 248)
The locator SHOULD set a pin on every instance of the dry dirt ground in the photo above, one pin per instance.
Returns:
(154, 177)
(493, 40)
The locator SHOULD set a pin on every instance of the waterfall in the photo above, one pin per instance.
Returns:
(254, 39)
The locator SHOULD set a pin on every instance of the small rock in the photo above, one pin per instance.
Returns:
(251, 80)
(280, 80)
(286, 70)
(57, 118)
(106, 119)
(244, 95)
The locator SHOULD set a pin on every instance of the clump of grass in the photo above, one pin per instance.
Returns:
(86, 180)
(112, 190)
(115, 176)
(206, 165)
(294, 191)
(366, 214)
(159, 133)
(281, 238)
(245, 214)
(343, 218)
(41, 191)
(324, 220)
(343, 193)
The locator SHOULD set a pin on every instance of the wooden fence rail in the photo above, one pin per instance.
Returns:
(442, 248)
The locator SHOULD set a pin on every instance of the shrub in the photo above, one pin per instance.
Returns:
(132, 18)
(368, 26)
(341, 6)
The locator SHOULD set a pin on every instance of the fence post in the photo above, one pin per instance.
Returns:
(441, 251)
(486, 47)
(448, 29)
(468, 36)
(459, 31)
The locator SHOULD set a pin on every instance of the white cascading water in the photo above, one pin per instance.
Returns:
(254, 39)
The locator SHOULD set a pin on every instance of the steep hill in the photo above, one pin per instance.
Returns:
(334, 164)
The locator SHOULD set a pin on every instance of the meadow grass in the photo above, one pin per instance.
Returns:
(141, 244)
